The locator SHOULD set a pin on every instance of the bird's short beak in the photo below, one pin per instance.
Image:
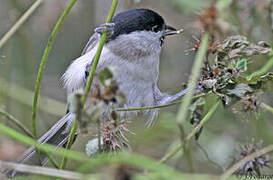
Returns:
(172, 31)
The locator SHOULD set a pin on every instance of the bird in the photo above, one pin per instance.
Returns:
(135, 38)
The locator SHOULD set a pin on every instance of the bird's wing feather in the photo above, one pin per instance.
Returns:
(91, 43)
(75, 76)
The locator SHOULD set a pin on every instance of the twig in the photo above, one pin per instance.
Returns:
(16, 122)
(263, 70)
(189, 136)
(142, 162)
(254, 155)
(208, 158)
(43, 62)
(52, 160)
(161, 106)
(123, 157)
(89, 82)
(19, 23)
(97, 56)
(183, 110)
(42, 66)
(267, 107)
(203, 121)
(189, 158)
(42, 170)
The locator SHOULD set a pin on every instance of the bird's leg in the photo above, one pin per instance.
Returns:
(107, 27)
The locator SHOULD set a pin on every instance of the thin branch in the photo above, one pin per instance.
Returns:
(42, 170)
(208, 158)
(254, 155)
(196, 69)
(52, 160)
(20, 22)
(189, 136)
(263, 70)
(136, 160)
(97, 57)
(161, 106)
(16, 122)
(43, 62)
(267, 107)
(87, 163)
(89, 82)
(42, 66)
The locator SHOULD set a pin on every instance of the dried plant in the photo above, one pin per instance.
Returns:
(254, 166)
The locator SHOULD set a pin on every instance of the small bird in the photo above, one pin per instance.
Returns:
(134, 41)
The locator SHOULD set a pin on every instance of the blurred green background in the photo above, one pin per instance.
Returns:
(225, 132)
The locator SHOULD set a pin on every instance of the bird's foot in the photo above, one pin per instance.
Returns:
(107, 27)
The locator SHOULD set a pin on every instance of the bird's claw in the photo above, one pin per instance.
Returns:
(107, 27)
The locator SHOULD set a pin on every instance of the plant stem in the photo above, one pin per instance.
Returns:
(42, 170)
(123, 157)
(43, 62)
(263, 70)
(42, 66)
(243, 161)
(161, 106)
(141, 162)
(267, 107)
(20, 22)
(203, 121)
(25, 130)
(52, 160)
(42, 147)
(89, 82)
(74, 128)
(97, 57)
(69, 142)
(189, 136)
(196, 69)
(16, 122)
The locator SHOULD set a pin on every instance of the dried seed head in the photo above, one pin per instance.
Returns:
(254, 166)
(112, 135)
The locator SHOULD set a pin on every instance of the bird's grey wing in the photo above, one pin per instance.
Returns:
(91, 43)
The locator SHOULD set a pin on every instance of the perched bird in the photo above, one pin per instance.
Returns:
(134, 41)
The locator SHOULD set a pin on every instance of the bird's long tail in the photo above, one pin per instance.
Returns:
(57, 136)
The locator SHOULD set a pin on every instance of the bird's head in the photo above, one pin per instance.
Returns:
(138, 32)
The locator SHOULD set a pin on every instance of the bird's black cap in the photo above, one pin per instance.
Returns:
(137, 20)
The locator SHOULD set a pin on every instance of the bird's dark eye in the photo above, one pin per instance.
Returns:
(155, 28)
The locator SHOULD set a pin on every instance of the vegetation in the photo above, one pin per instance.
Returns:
(230, 93)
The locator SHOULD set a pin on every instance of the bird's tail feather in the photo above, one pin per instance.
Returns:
(57, 136)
